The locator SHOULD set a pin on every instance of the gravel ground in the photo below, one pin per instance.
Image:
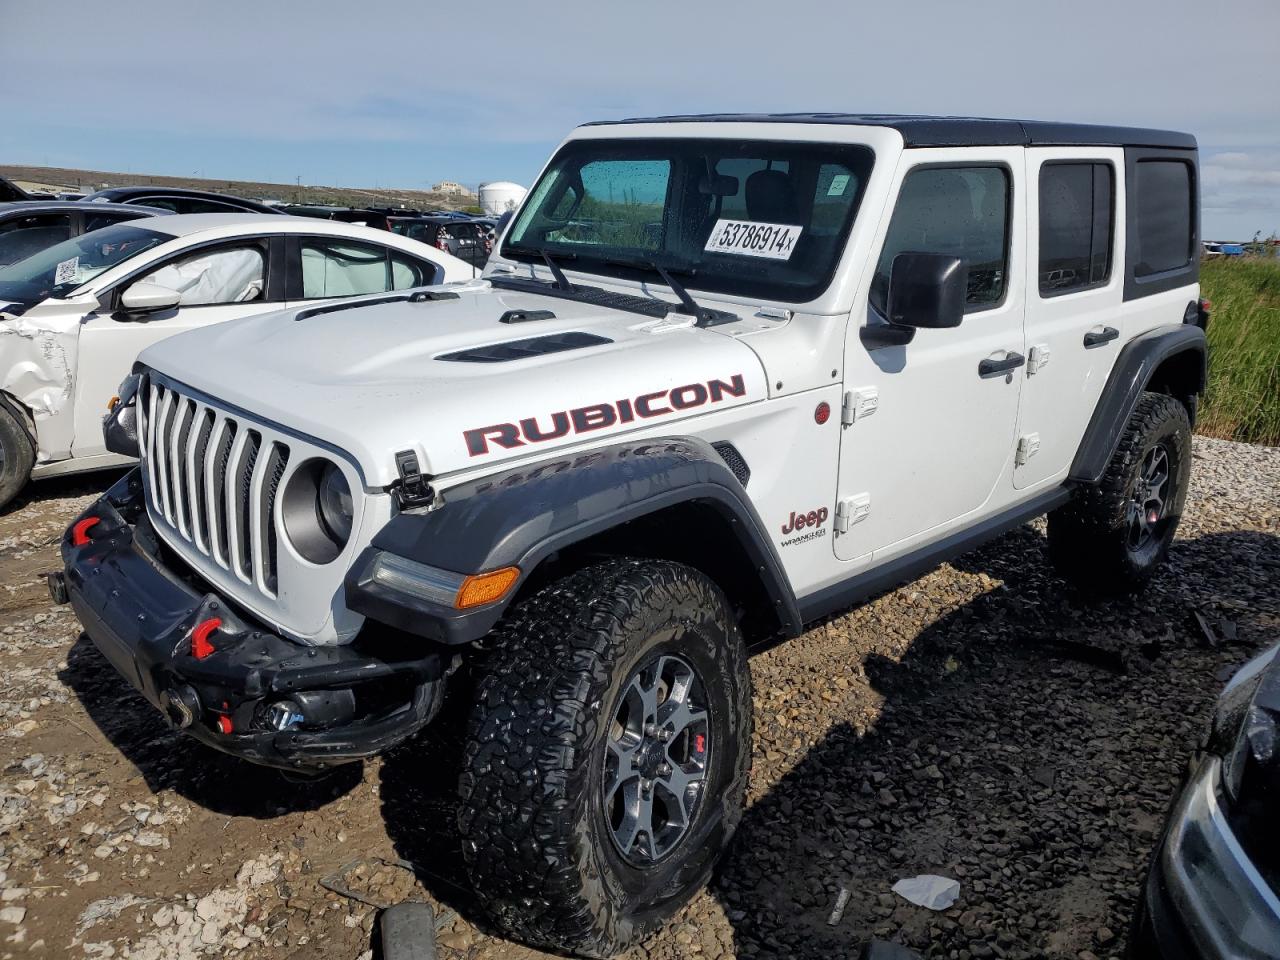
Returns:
(983, 723)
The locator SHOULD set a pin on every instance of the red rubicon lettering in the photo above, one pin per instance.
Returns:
(533, 433)
(644, 408)
(503, 434)
(693, 395)
(597, 416)
(593, 418)
(736, 387)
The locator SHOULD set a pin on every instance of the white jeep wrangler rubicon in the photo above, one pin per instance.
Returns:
(723, 377)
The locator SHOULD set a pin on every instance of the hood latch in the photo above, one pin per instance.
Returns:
(412, 489)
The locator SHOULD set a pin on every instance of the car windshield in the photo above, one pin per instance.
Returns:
(755, 218)
(57, 271)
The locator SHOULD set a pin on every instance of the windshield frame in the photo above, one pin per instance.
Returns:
(858, 157)
(47, 261)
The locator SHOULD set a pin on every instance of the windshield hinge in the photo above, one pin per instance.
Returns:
(412, 489)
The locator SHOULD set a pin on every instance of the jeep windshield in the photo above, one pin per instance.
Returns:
(57, 271)
(762, 219)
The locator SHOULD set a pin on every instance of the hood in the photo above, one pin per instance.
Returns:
(453, 382)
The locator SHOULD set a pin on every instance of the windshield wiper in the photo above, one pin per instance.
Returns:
(562, 282)
(705, 316)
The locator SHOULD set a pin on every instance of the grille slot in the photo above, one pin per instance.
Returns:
(214, 480)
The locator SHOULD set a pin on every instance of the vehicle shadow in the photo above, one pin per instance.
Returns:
(167, 759)
(1024, 741)
(1026, 744)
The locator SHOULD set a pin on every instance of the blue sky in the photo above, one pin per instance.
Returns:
(408, 92)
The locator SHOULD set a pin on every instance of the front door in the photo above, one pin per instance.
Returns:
(931, 443)
(217, 284)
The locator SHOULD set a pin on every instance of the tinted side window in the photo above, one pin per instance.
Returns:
(93, 221)
(343, 269)
(1076, 225)
(959, 211)
(1165, 226)
(20, 237)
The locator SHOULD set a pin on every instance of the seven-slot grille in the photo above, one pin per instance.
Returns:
(214, 480)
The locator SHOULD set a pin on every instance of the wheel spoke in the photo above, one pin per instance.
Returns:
(636, 828)
(622, 768)
(676, 785)
(647, 696)
(680, 716)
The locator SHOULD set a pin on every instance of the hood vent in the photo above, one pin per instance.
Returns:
(522, 349)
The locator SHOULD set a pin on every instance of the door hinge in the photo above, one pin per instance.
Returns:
(412, 489)
(859, 404)
(1028, 446)
(851, 510)
(1037, 358)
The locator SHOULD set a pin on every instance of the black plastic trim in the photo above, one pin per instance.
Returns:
(847, 593)
(923, 131)
(596, 296)
(521, 516)
(509, 350)
(1137, 361)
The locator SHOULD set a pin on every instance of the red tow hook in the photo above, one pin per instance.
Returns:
(200, 645)
(80, 530)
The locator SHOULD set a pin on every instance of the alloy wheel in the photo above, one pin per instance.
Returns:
(655, 764)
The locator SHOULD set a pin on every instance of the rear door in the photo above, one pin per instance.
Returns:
(1074, 301)
(219, 282)
(931, 442)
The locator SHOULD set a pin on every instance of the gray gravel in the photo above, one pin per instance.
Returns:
(983, 723)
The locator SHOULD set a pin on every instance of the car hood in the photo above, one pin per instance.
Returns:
(369, 378)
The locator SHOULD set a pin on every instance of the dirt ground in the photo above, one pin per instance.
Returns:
(984, 723)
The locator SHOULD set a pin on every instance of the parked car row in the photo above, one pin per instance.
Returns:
(88, 286)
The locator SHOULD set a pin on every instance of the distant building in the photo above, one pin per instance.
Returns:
(452, 189)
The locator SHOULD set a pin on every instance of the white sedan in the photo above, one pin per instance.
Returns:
(74, 317)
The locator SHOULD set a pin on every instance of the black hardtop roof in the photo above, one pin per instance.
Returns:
(955, 131)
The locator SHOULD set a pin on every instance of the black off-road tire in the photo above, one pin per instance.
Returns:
(1090, 539)
(538, 843)
(17, 454)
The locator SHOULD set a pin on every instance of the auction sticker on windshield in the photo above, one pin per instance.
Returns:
(775, 241)
(66, 271)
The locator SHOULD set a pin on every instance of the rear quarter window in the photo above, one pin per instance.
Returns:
(1165, 206)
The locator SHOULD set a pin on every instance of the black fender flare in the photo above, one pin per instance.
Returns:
(1130, 376)
(522, 515)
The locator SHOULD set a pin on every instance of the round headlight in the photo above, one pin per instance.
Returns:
(334, 501)
(317, 510)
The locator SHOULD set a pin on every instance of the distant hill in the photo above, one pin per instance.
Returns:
(89, 180)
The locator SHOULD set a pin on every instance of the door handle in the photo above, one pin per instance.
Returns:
(991, 368)
(1096, 338)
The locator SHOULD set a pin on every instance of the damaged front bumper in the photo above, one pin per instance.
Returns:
(230, 682)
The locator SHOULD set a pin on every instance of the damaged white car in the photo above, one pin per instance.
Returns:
(74, 317)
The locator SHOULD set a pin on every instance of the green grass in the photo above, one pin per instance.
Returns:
(1243, 398)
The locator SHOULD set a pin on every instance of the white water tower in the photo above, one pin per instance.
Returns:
(499, 197)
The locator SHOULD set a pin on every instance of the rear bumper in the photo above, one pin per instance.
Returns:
(256, 695)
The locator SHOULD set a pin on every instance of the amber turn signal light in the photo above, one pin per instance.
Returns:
(482, 588)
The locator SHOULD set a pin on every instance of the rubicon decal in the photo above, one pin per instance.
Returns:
(598, 416)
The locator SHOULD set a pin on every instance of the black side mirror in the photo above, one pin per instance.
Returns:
(120, 426)
(927, 290)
